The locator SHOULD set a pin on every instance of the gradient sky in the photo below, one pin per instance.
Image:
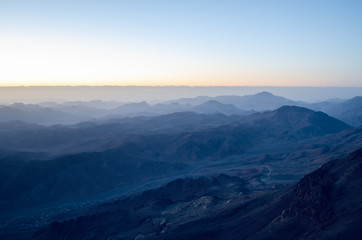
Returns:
(135, 42)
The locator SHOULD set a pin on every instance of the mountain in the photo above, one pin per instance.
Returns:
(286, 124)
(209, 107)
(48, 113)
(132, 108)
(188, 132)
(296, 122)
(163, 108)
(212, 107)
(190, 101)
(34, 113)
(257, 102)
(190, 195)
(81, 109)
(28, 183)
(325, 204)
(99, 135)
(188, 169)
(106, 157)
(349, 111)
(98, 104)
(345, 110)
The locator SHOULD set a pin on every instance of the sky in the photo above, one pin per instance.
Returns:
(181, 43)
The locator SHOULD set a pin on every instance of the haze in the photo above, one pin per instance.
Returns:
(157, 94)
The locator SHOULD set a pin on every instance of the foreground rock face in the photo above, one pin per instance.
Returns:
(326, 204)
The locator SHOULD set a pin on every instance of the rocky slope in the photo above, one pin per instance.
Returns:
(325, 204)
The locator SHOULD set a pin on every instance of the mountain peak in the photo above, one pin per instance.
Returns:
(292, 108)
(213, 103)
(264, 93)
(296, 122)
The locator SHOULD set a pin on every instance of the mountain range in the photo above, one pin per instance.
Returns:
(48, 113)
(227, 167)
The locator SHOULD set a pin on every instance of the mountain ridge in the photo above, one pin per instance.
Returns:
(154, 153)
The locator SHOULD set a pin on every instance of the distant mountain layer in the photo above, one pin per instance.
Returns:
(349, 111)
(48, 113)
(258, 102)
(287, 122)
(325, 204)
(35, 114)
(102, 135)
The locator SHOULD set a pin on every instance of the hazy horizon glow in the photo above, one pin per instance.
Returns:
(193, 43)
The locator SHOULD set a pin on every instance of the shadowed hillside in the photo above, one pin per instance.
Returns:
(323, 205)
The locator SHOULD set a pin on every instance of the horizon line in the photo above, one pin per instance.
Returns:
(190, 86)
